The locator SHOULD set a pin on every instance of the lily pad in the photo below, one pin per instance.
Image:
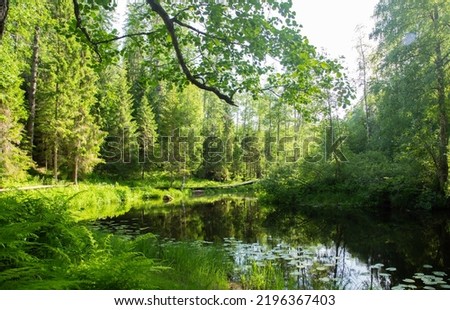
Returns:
(398, 288)
(293, 263)
(427, 266)
(386, 275)
(321, 268)
(325, 279)
(409, 281)
(445, 287)
(428, 282)
(391, 269)
(439, 273)
(429, 288)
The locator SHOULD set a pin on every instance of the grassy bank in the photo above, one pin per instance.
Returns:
(45, 247)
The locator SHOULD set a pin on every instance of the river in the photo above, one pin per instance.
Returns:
(314, 248)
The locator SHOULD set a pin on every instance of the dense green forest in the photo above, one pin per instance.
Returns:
(187, 93)
(218, 101)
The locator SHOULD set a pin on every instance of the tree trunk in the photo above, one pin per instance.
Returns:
(32, 89)
(442, 172)
(363, 67)
(75, 171)
(55, 142)
(4, 7)
(55, 161)
(443, 124)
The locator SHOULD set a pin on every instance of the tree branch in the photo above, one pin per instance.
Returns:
(169, 23)
(205, 34)
(182, 11)
(130, 35)
(182, 24)
(76, 9)
(95, 44)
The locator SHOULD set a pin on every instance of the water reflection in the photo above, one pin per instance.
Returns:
(202, 219)
(388, 249)
(312, 248)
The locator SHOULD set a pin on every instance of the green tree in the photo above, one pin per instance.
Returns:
(13, 160)
(413, 36)
(115, 112)
(69, 137)
(147, 133)
(179, 130)
(218, 136)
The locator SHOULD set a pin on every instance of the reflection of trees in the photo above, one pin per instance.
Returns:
(209, 220)
(238, 217)
(406, 241)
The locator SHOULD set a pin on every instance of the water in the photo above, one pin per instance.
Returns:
(315, 248)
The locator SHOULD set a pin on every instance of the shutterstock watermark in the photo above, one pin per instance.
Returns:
(190, 2)
(180, 148)
(193, 2)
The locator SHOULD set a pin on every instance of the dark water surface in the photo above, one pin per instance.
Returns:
(313, 247)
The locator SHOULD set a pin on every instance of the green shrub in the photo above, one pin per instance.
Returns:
(367, 179)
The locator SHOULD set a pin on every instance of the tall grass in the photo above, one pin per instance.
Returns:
(263, 277)
(192, 265)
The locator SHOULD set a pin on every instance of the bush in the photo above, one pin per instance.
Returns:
(367, 179)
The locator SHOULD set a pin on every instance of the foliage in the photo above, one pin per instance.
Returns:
(68, 135)
(115, 114)
(231, 46)
(367, 179)
(38, 242)
(413, 68)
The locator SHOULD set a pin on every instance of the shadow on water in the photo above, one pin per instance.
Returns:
(313, 248)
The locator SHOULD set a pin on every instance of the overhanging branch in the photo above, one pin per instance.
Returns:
(95, 44)
(76, 10)
(169, 23)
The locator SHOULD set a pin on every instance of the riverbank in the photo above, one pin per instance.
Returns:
(46, 245)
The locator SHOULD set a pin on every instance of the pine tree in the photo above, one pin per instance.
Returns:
(115, 111)
(13, 160)
(147, 133)
(69, 138)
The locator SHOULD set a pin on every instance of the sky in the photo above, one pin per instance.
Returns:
(331, 24)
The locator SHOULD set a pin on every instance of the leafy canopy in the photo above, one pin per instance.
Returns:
(226, 47)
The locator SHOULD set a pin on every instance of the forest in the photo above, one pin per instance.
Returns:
(212, 98)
